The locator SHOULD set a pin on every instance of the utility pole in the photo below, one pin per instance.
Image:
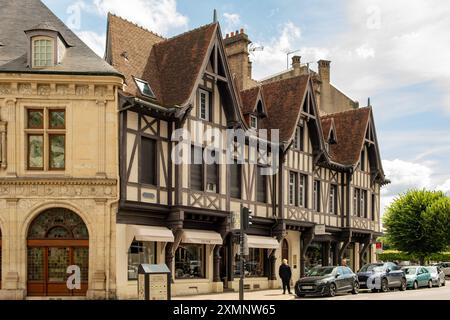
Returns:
(246, 216)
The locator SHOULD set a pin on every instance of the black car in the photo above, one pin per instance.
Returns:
(327, 281)
(381, 277)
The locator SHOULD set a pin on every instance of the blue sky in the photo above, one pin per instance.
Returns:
(397, 57)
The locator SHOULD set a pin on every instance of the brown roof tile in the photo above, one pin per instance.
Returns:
(283, 100)
(171, 66)
(248, 98)
(350, 131)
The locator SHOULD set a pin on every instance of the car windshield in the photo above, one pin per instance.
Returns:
(319, 272)
(410, 270)
(371, 267)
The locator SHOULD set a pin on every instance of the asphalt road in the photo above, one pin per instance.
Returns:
(442, 293)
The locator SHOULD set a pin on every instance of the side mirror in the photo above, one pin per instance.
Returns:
(338, 275)
(388, 270)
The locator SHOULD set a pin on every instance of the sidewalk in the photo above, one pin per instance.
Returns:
(248, 295)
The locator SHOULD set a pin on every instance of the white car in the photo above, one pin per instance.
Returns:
(437, 276)
(445, 267)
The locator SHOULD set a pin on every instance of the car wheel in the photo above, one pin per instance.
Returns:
(332, 290)
(415, 285)
(355, 288)
(443, 283)
(374, 290)
(430, 284)
(384, 285)
(439, 283)
(403, 285)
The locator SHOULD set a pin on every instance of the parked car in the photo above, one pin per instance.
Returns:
(445, 267)
(381, 277)
(437, 276)
(327, 281)
(417, 276)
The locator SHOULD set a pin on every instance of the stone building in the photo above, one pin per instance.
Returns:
(58, 157)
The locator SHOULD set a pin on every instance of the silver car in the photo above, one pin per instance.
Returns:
(445, 267)
(437, 276)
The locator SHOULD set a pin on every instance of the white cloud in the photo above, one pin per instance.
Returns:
(406, 175)
(159, 16)
(273, 58)
(232, 18)
(94, 41)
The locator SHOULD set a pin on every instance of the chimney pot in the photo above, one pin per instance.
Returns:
(242, 30)
(296, 61)
(324, 70)
(227, 35)
(232, 34)
(237, 32)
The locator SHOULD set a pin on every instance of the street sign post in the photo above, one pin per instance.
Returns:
(245, 222)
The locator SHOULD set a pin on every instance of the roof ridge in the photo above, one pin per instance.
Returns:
(286, 79)
(185, 33)
(330, 115)
(252, 88)
(137, 25)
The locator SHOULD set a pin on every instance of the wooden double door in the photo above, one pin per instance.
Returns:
(48, 265)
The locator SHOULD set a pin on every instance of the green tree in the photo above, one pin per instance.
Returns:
(418, 223)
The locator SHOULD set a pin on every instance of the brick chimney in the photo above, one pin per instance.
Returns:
(324, 70)
(236, 47)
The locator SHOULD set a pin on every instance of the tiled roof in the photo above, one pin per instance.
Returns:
(351, 128)
(283, 100)
(16, 17)
(171, 66)
(248, 98)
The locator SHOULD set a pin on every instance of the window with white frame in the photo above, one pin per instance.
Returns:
(333, 198)
(293, 188)
(303, 183)
(316, 196)
(299, 138)
(253, 122)
(43, 52)
(204, 104)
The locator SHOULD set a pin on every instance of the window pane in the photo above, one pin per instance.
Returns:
(35, 119)
(261, 188)
(254, 266)
(235, 183)
(139, 253)
(148, 161)
(35, 151)
(190, 261)
(196, 168)
(57, 152)
(57, 119)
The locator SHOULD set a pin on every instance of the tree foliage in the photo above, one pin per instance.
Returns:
(418, 223)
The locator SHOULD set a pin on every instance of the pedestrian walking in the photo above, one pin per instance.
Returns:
(285, 274)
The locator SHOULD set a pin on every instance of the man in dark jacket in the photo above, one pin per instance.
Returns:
(285, 274)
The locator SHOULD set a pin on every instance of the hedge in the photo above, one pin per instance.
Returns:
(402, 256)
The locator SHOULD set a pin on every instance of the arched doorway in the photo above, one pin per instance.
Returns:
(285, 250)
(57, 239)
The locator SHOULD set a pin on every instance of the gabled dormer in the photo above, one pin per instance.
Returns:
(47, 47)
(253, 107)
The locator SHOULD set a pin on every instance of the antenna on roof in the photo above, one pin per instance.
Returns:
(368, 102)
(215, 16)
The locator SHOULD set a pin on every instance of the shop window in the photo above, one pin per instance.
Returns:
(190, 261)
(254, 264)
(140, 253)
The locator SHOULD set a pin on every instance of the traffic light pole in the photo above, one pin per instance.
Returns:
(241, 257)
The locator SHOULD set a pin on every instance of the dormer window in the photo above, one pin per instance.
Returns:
(47, 47)
(144, 88)
(253, 122)
(43, 52)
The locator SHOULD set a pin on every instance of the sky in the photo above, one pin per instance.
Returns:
(395, 52)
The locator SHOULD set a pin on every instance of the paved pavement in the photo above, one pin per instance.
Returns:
(442, 293)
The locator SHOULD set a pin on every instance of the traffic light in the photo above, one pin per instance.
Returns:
(246, 218)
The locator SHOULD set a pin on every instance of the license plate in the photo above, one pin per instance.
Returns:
(307, 287)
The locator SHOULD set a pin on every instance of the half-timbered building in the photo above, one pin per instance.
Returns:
(322, 204)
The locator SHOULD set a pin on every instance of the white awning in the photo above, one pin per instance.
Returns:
(201, 237)
(262, 242)
(148, 233)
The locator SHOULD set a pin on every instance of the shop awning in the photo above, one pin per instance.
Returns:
(201, 237)
(262, 242)
(148, 233)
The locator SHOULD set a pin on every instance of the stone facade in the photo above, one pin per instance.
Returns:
(88, 186)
